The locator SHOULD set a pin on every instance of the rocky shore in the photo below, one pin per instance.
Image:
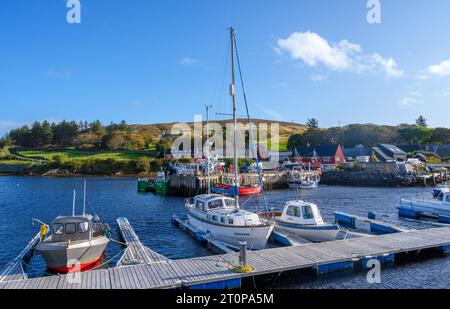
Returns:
(369, 179)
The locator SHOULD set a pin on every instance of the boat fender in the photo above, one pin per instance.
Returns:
(242, 269)
(44, 230)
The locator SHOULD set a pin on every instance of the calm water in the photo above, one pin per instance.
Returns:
(24, 198)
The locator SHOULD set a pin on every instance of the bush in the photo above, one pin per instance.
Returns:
(143, 164)
(156, 165)
(60, 160)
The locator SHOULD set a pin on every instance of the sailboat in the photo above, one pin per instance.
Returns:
(220, 215)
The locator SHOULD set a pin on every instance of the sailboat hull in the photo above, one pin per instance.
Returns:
(243, 190)
(256, 237)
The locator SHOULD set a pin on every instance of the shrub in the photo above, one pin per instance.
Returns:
(156, 165)
(60, 160)
(143, 164)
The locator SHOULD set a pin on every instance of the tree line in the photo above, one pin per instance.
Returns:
(82, 135)
(370, 135)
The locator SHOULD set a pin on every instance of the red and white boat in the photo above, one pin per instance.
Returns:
(247, 190)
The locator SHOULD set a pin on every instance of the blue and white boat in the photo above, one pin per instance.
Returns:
(303, 179)
(438, 206)
(304, 219)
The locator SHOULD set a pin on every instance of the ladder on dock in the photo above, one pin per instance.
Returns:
(14, 270)
(135, 252)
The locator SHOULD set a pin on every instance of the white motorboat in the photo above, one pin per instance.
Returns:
(304, 219)
(439, 205)
(304, 179)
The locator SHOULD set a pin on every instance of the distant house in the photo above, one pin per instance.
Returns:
(324, 154)
(394, 152)
(383, 152)
(421, 157)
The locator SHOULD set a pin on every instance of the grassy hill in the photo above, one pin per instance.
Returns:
(286, 128)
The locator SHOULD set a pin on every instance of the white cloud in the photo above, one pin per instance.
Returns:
(408, 101)
(442, 69)
(271, 112)
(313, 49)
(59, 75)
(188, 61)
(412, 99)
(318, 77)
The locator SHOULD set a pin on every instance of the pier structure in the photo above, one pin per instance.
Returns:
(217, 272)
(191, 185)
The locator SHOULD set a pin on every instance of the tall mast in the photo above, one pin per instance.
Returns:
(208, 148)
(73, 203)
(233, 96)
(84, 199)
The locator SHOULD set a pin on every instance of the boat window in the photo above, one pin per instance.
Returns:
(71, 228)
(307, 213)
(222, 219)
(293, 211)
(230, 221)
(448, 198)
(214, 218)
(215, 204)
(200, 205)
(58, 229)
(83, 227)
(229, 203)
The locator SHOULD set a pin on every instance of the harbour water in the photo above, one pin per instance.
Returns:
(24, 198)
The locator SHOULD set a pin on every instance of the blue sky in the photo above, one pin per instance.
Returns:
(160, 61)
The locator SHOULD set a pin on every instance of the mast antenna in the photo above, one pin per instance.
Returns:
(73, 202)
(84, 199)
(233, 96)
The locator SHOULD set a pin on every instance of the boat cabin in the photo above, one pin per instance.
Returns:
(73, 228)
(302, 213)
(213, 202)
(440, 192)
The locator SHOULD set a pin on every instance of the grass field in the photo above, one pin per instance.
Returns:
(14, 162)
(83, 155)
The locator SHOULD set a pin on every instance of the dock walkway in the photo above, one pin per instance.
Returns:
(214, 271)
(135, 252)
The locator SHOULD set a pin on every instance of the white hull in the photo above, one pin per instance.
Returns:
(314, 233)
(432, 207)
(256, 237)
(297, 185)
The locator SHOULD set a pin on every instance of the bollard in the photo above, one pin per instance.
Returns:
(242, 253)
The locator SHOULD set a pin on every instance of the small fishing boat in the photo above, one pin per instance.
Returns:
(304, 179)
(304, 219)
(228, 186)
(439, 205)
(76, 243)
(158, 184)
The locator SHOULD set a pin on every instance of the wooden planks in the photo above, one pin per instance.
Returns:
(135, 253)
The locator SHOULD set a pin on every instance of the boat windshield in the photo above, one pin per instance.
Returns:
(229, 203)
(307, 212)
(215, 204)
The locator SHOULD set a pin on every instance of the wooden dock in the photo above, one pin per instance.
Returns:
(135, 252)
(215, 271)
(376, 226)
(15, 269)
(191, 185)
